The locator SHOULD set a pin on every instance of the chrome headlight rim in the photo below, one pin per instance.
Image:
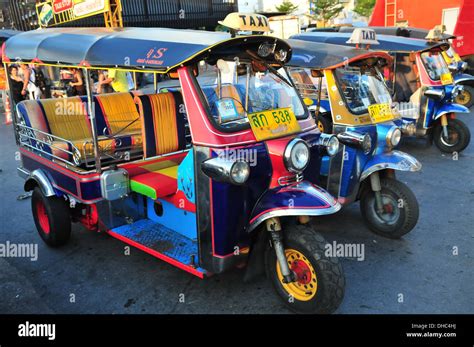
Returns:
(392, 134)
(331, 143)
(354, 138)
(288, 155)
(366, 144)
(237, 167)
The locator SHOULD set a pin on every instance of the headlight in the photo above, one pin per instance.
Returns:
(456, 91)
(265, 49)
(437, 94)
(281, 55)
(356, 139)
(367, 143)
(330, 142)
(228, 171)
(296, 155)
(394, 136)
(240, 171)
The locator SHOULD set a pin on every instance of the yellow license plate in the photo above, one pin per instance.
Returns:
(447, 78)
(380, 112)
(273, 123)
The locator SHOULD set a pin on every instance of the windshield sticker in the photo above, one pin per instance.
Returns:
(227, 110)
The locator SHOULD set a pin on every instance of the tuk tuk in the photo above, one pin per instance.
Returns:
(358, 110)
(198, 172)
(421, 84)
(456, 65)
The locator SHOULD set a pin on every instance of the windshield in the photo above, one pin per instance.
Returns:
(234, 89)
(362, 88)
(435, 65)
(308, 86)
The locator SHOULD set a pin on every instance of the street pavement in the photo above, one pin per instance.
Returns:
(430, 270)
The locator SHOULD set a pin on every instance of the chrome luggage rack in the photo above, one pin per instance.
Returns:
(39, 141)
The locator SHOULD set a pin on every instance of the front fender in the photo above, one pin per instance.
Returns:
(395, 160)
(299, 199)
(464, 79)
(450, 108)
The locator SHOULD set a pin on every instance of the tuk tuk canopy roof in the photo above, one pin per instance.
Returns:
(388, 43)
(157, 49)
(322, 56)
(5, 34)
(414, 33)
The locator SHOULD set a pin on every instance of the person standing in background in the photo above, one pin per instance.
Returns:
(29, 83)
(117, 79)
(77, 83)
(16, 84)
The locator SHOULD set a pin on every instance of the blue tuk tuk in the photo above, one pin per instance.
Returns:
(421, 84)
(347, 93)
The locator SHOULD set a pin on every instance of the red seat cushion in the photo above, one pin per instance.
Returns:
(156, 184)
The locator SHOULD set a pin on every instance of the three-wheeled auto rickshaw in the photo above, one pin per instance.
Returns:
(200, 175)
(421, 83)
(358, 109)
(456, 65)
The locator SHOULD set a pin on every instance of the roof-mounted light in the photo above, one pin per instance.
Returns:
(246, 22)
(436, 34)
(266, 49)
(363, 36)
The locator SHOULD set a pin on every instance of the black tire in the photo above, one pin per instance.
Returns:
(329, 274)
(455, 128)
(466, 98)
(406, 216)
(52, 218)
(324, 123)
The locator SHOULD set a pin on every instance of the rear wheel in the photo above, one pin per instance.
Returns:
(400, 209)
(52, 218)
(466, 97)
(319, 280)
(458, 138)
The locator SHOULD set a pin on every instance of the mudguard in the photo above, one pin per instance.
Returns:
(464, 79)
(450, 108)
(298, 199)
(39, 178)
(395, 160)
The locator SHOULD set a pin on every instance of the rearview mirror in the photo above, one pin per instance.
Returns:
(316, 73)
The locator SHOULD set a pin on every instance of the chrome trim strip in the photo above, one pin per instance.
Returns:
(408, 163)
(464, 80)
(295, 212)
(23, 173)
(43, 182)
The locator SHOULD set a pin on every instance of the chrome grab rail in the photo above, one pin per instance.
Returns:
(29, 133)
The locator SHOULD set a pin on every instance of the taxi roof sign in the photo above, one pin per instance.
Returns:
(246, 22)
(436, 34)
(363, 36)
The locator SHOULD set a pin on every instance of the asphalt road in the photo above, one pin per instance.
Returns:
(418, 274)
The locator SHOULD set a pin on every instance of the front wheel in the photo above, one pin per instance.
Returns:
(52, 218)
(319, 280)
(458, 138)
(400, 209)
(465, 97)
(324, 123)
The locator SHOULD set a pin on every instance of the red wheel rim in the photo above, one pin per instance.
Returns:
(43, 218)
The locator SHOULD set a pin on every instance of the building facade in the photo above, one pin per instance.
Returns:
(179, 14)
